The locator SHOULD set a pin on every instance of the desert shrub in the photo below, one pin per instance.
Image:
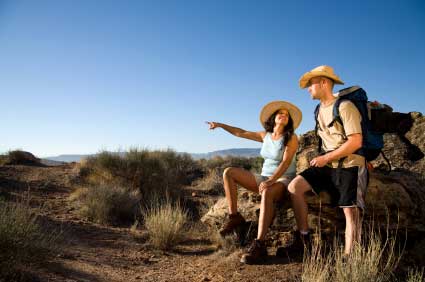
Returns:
(3, 159)
(22, 240)
(107, 203)
(165, 223)
(149, 172)
(220, 163)
(19, 157)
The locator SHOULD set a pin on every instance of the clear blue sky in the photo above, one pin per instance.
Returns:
(81, 76)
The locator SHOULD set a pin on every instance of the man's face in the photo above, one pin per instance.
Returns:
(316, 87)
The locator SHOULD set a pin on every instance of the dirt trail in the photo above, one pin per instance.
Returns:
(94, 252)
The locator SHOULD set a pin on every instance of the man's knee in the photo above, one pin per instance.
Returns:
(298, 186)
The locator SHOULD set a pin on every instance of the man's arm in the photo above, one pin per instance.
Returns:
(353, 143)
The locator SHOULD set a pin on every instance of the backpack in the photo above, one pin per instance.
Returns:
(376, 119)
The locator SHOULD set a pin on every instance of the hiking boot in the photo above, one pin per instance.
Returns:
(233, 222)
(300, 244)
(255, 253)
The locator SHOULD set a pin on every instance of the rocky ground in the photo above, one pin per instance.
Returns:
(92, 252)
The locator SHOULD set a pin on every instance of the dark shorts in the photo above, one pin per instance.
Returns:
(346, 186)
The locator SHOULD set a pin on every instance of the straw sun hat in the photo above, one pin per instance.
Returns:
(325, 71)
(272, 107)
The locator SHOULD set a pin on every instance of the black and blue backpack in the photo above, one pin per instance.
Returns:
(377, 119)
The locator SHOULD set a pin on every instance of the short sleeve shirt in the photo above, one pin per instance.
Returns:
(333, 137)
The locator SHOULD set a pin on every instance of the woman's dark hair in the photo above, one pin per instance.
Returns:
(288, 129)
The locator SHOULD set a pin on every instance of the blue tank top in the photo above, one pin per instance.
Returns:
(272, 153)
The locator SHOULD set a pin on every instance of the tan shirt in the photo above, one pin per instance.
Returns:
(333, 137)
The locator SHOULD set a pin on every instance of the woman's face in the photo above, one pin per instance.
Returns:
(282, 117)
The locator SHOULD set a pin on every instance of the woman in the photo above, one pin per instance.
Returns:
(279, 119)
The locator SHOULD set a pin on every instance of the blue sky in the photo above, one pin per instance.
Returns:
(81, 76)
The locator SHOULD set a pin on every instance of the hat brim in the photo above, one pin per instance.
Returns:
(309, 75)
(272, 107)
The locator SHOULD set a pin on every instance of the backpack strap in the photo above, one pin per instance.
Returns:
(316, 128)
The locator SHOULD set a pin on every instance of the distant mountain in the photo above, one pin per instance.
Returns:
(67, 158)
(236, 152)
(51, 163)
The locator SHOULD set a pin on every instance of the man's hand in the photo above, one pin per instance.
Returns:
(320, 161)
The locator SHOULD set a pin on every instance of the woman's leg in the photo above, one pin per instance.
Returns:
(268, 197)
(233, 176)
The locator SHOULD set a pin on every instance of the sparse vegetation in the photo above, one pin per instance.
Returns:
(149, 172)
(415, 275)
(220, 163)
(23, 241)
(165, 223)
(374, 260)
(107, 203)
(211, 184)
(16, 157)
(317, 264)
(225, 245)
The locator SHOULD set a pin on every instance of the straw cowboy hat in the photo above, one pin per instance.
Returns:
(272, 107)
(325, 71)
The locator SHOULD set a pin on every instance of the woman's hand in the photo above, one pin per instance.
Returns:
(213, 124)
(265, 185)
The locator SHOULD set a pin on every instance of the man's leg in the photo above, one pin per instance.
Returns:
(352, 228)
(297, 188)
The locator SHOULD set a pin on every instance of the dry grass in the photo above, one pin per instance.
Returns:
(317, 264)
(415, 275)
(212, 183)
(107, 203)
(225, 245)
(165, 222)
(374, 260)
(22, 240)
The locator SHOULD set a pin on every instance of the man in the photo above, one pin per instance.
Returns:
(338, 170)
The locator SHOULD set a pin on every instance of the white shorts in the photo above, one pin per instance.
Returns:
(283, 179)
